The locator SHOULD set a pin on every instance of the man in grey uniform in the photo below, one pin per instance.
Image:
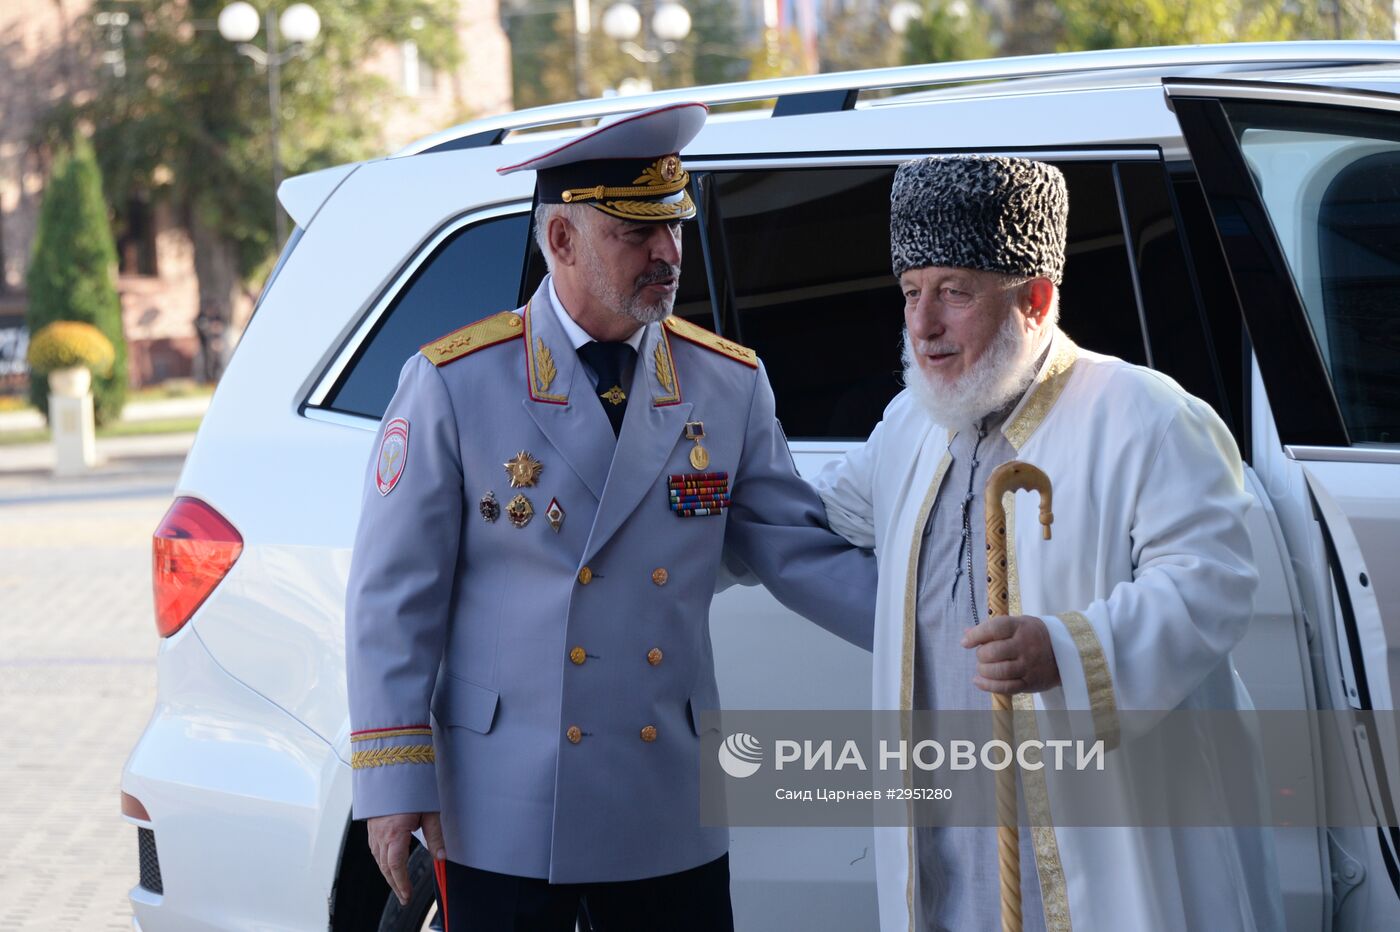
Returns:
(551, 496)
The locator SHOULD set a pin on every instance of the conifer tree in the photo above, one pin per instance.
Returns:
(72, 272)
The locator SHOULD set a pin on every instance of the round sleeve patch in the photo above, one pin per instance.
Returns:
(393, 453)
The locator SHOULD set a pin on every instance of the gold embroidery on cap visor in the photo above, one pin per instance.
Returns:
(650, 211)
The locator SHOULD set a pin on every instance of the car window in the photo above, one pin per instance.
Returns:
(1193, 323)
(1330, 181)
(473, 273)
(812, 291)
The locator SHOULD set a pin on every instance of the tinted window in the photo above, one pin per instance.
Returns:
(1359, 259)
(812, 291)
(1205, 360)
(1330, 181)
(474, 273)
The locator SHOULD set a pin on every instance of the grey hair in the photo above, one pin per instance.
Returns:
(544, 213)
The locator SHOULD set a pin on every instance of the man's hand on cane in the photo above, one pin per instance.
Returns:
(390, 840)
(1014, 655)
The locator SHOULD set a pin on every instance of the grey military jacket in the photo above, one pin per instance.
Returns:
(540, 686)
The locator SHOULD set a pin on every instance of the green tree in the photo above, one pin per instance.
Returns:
(188, 123)
(543, 67)
(1102, 24)
(860, 38)
(72, 275)
(779, 56)
(714, 44)
(948, 30)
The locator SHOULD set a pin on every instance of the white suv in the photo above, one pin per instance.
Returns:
(1235, 223)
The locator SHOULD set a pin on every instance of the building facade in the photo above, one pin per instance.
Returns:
(55, 50)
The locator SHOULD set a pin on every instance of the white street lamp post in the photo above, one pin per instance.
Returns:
(670, 23)
(299, 24)
(903, 14)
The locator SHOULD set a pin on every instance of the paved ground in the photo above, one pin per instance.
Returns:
(77, 676)
(154, 410)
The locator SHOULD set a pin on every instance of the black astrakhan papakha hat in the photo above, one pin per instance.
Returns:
(981, 212)
(629, 167)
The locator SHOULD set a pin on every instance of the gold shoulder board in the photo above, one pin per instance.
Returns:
(711, 341)
(464, 341)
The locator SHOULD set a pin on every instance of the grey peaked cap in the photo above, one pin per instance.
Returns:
(982, 212)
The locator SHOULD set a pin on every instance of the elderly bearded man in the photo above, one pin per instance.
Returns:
(1137, 603)
(541, 534)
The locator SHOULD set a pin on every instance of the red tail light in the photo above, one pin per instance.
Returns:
(192, 551)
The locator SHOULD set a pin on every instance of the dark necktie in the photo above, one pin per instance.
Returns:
(608, 361)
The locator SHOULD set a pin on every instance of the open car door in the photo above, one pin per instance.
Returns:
(1303, 186)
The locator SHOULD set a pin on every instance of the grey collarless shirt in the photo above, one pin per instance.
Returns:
(958, 888)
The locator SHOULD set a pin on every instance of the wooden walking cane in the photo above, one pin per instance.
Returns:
(1013, 476)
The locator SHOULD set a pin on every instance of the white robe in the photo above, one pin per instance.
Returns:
(1145, 587)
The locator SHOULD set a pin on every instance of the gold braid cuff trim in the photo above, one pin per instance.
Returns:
(1097, 677)
(383, 757)
(393, 733)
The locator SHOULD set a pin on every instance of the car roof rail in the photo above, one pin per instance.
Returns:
(825, 93)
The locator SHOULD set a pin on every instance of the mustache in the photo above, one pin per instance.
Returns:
(924, 347)
(661, 272)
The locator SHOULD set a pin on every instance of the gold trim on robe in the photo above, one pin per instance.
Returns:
(1049, 382)
(1097, 677)
(911, 606)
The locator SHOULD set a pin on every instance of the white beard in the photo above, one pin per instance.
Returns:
(614, 299)
(1002, 375)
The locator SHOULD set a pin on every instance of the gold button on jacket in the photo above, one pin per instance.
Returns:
(659, 576)
(649, 733)
(585, 576)
(578, 655)
(574, 734)
(654, 656)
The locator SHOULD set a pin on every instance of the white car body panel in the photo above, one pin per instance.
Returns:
(243, 764)
(240, 791)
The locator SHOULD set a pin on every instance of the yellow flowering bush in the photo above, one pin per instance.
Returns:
(64, 344)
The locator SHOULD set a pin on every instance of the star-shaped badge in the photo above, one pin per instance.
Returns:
(524, 470)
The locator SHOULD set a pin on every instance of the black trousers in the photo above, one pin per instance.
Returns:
(695, 900)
